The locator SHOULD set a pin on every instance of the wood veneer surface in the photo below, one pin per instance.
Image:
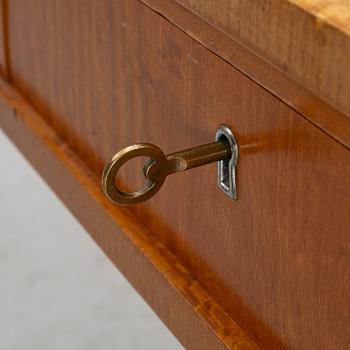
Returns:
(308, 40)
(108, 74)
(3, 39)
(261, 71)
(185, 307)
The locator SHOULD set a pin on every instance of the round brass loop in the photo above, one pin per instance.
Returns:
(151, 187)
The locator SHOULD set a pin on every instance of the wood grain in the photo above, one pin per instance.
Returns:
(113, 73)
(4, 59)
(307, 40)
(335, 13)
(194, 317)
(321, 114)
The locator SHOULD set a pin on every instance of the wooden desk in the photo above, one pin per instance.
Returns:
(83, 79)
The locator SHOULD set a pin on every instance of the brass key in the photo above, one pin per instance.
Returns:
(224, 151)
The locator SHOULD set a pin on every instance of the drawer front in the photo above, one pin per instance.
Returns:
(119, 73)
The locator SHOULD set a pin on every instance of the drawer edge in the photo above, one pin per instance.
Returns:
(308, 105)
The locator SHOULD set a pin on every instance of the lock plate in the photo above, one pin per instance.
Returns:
(227, 167)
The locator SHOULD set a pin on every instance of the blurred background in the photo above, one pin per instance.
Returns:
(58, 290)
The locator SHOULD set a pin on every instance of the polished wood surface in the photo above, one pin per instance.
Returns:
(308, 40)
(300, 99)
(335, 13)
(171, 290)
(4, 59)
(329, 119)
(113, 73)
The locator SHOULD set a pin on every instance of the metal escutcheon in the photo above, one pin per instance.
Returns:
(224, 151)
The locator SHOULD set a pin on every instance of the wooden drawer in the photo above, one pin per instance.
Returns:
(273, 264)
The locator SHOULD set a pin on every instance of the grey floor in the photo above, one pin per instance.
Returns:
(57, 289)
